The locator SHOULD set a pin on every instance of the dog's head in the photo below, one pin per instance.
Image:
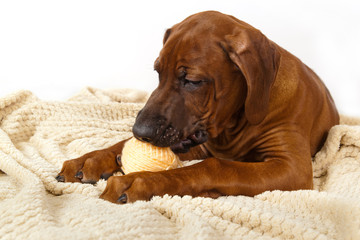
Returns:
(212, 69)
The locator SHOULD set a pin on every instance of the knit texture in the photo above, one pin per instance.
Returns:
(37, 136)
(141, 156)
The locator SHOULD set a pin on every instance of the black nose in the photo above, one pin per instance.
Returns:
(143, 132)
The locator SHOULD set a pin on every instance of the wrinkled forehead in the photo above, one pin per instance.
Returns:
(183, 53)
(196, 40)
(190, 47)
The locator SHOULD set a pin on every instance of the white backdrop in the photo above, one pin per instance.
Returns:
(55, 48)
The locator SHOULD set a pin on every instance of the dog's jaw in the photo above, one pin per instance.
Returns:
(193, 140)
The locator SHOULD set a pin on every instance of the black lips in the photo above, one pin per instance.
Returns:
(184, 146)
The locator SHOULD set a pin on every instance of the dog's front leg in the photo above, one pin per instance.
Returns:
(284, 168)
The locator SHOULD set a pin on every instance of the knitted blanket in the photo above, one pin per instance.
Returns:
(37, 136)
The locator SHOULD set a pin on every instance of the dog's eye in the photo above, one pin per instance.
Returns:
(191, 84)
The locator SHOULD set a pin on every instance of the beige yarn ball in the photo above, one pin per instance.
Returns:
(141, 156)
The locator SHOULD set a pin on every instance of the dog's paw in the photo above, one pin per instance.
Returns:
(90, 167)
(134, 187)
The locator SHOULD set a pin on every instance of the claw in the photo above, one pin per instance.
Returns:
(118, 159)
(105, 176)
(122, 199)
(60, 178)
(79, 175)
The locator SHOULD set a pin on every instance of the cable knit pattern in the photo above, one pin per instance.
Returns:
(37, 136)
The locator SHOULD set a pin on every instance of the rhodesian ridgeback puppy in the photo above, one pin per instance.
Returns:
(231, 96)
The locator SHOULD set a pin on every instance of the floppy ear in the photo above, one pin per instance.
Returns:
(258, 60)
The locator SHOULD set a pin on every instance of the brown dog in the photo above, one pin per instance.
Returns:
(228, 94)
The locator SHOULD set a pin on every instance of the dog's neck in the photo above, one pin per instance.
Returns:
(223, 146)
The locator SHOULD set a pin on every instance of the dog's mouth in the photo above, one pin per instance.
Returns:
(168, 136)
(192, 140)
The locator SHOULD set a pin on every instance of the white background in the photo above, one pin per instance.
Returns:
(56, 48)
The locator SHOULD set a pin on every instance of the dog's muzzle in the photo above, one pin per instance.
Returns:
(163, 135)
